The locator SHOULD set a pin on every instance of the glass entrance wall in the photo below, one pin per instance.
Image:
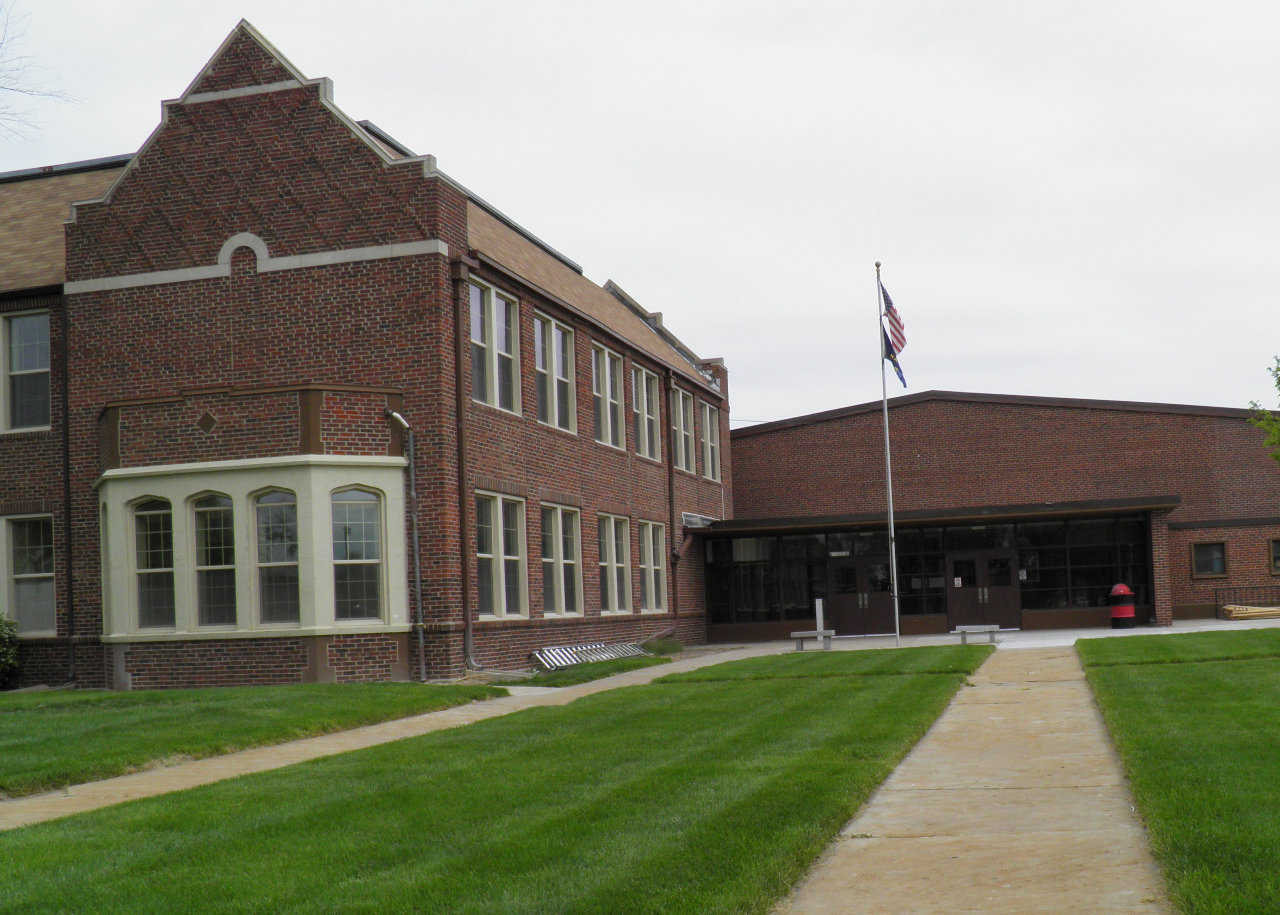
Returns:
(1061, 564)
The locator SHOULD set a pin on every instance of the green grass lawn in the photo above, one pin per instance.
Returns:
(51, 739)
(682, 796)
(583, 673)
(1199, 739)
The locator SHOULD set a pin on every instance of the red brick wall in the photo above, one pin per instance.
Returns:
(949, 454)
(264, 425)
(214, 662)
(1248, 563)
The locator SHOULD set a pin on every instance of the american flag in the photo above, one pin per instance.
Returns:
(895, 335)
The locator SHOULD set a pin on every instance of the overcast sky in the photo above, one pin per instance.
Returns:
(1070, 199)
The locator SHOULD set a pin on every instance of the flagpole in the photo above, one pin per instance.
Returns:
(888, 464)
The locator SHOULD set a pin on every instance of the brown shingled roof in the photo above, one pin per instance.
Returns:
(32, 211)
(508, 248)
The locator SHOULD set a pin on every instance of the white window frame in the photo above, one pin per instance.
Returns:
(710, 441)
(555, 564)
(653, 565)
(682, 453)
(608, 392)
(378, 563)
(312, 480)
(645, 413)
(135, 514)
(8, 373)
(196, 513)
(490, 297)
(10, 577)
(547, 375)
(499, 558)
(612, 569)
(259, 566)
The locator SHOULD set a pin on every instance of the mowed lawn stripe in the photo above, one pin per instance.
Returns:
(52, 739)
(679, 797)
(1198, 740)
(945, 659)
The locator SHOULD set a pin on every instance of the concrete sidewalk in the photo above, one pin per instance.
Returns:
(1013, 802)
(37, 808)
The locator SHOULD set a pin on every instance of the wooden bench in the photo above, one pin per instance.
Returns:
(815, 634)
(966, 631)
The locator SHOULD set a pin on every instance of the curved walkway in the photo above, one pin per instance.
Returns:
(1014, 801)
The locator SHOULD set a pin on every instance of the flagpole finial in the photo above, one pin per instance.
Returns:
(877, 265)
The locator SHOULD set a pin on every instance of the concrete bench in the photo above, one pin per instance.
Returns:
(824, 634)
(966, 631)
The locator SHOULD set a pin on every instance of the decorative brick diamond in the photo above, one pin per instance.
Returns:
(206, 423)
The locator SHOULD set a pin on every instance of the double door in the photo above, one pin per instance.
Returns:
(861, 595)
(982, 588)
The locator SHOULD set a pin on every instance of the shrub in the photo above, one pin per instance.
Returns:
(8, 653)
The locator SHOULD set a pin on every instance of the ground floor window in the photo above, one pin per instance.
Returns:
(309, 542)
(614, 551)
(500, 555)
(653, 566)
(561, 561)
(30, 579)
(1275, 557)
(1051, 563)
(1209, 560)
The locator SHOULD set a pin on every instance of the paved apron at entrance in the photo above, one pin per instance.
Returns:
(1013, 802)
(37, 808)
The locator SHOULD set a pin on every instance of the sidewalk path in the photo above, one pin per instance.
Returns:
(37, 808)
(1013, 802)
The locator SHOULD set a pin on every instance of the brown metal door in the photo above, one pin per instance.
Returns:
(982, 589)
(964, 605)
(843, 610)
(877, 590)
(1002, 599)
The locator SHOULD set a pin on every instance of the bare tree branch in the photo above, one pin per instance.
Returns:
(19, 75)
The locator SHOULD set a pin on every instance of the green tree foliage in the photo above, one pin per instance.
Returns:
(1267, 421)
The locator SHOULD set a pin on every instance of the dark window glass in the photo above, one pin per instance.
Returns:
(966, 571)
(999, 571)
(1091, 532)
(1042, 533)
(1209, 558)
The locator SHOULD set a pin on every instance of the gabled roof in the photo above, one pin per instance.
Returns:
(34, 204)
(1073, 403)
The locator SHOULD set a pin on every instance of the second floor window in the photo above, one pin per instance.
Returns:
(25, 358)
(644, 413)
(682, 429)
(495, 347)
(710, 442)
(606, 391)
(553, 355)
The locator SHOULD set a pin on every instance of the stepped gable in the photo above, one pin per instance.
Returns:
(245, 59)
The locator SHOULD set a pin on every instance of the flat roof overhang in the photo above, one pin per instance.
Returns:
(977, 514)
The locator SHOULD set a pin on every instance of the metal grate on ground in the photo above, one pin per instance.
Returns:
(556, 657)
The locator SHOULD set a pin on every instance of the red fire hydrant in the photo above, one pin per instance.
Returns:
(1122, 615)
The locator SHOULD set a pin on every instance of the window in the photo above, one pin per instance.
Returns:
(561, 560)
(31, 573)
(553, 363)
(644, 413)
(25, 360)
(215, 561)
(153, 527)
(710, 442)
(1275, 557)
(615, 564)
(1209, 560)
(500, 556)
(606, 392)
(494, 347)
(653, 550)
(682, 429)
(357, 555)
(277, 517)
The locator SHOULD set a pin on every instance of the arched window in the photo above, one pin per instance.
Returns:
(215, 561)
(357, 554)
(153, 528)
(277, 525)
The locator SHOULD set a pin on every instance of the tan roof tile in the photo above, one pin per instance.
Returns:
(491, 237)
(32, 212)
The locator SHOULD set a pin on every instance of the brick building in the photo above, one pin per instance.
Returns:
(207, 346)
(1021, 511)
